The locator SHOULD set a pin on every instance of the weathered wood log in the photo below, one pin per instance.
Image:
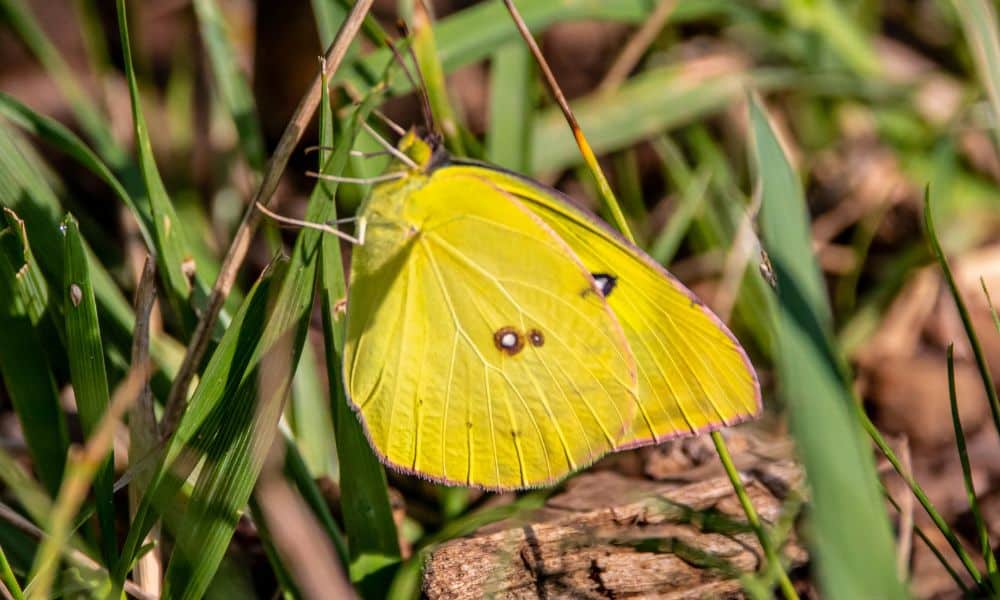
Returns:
(608, 536)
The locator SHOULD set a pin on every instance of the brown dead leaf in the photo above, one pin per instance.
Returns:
(910, 396)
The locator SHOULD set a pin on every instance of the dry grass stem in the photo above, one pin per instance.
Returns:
(637, 45)
(143, 431)
(310, 557)
(81, 467)
(581, 141)
(70, 553)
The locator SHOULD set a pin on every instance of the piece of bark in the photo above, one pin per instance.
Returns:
(612, 537)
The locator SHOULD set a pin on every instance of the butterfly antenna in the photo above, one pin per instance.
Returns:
(421, 86)
(402, 63)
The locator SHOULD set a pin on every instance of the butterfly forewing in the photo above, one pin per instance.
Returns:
(693, 374)
(479, 349)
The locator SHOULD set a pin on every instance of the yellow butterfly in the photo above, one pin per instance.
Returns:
(500, 337)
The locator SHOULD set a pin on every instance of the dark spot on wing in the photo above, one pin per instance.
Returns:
(507, 339)
(536, 338)
(606, 283)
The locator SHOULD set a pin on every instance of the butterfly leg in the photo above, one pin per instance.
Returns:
(324, 227)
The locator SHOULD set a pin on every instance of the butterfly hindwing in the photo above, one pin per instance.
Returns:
(693, 374)
(479, 349)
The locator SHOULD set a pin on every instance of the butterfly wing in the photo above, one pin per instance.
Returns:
(479, 350)
(693, 374)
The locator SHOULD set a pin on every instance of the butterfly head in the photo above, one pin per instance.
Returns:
(426, 150)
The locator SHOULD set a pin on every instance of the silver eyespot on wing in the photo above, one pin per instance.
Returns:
(508, 340)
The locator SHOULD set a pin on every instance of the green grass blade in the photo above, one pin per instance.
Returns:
(692, 200)
(970, 489)
(93, 36)
(207, 415)
(309, 417)
(238, 443)
(845, 37)
(309, 410)
(7, 577)
(28, 492)
(88, 375)
(34, 288)
(979, 22)
(854, 556)
(429, 65)
(645, 105)
(58, 135)
(628, 180)
(295, 466)
(919, 493)
(23, 361)
(234, 449)
(774, 567)
(716, 225)
(364, 499)
(231, 83)
(989, 301)
(221, 414)
(408, 581)
(24, 189)
(511, 115)
(963, 311)
(95, 124)
(365, 505)
(172, 252)
(959, 582)
(329, 15)
(493, 29)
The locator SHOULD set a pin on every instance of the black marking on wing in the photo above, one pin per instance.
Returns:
(606, 283)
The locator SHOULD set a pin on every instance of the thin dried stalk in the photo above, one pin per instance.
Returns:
(636, 46)
(80, 471)
(78, 558)
(143, 433)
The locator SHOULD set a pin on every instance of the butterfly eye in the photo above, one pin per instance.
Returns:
(508, 340)
(605, 283)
